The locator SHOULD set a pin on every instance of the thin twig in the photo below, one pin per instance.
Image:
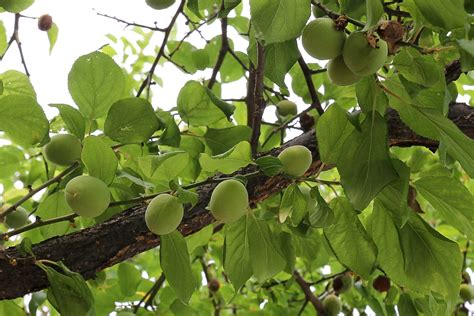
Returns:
(316, 302)
(315, 103)
(151, 292)
(222, 52)
(127, 24)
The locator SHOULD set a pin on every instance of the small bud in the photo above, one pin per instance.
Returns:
(213, 285)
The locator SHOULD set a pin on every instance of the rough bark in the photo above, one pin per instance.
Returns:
(125, 235)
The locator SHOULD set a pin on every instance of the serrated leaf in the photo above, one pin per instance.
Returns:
(417, 68)
(237, 252)
(270, 165)
(15, 82)
(95, 82)
(131, 120)
(176, 265)
(99, 159)
(349, 240)
(23, 119)
(276, 21)
(237, 157)
(73, 119)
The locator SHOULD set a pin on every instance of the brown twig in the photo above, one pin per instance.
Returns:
(16, 38)
(150, 295)
(222, 52)
(127, 24)
(305, 286)
(259, 102)
(315, 103)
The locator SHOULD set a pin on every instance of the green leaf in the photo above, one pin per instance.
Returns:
(99, 159)
(374, 13)
(221, 140)
(52, 36)
(187, 197)
(451, 199)
(447, 14)
(73, 119)
(228, 6)
(226, 108)
(416, 256)
(349, 240)
(279, 59)
(270, 165)
(237, 157)
(10, 308)
(23, 119)
(237, 252)
(16, 6)
(365, 166)
(129, 277)
(265, 257)
(131, 120)
(466, 49)
(322, 215)
(54, 206)
(171, 136)
(15, 82)
(332, 130)
(200, 238)
(10, 158)
(176, 265)
(95, 82)
(276, 21)
(370, 95)
(293, 204)
(25, 247)
(417, 68)
(167, 166)
(68, 292)
(3, 39)
(196, 107)
(37, 299)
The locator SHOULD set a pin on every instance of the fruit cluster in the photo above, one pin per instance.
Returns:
(350, 57)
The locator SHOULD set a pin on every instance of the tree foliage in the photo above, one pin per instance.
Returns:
(380, 219)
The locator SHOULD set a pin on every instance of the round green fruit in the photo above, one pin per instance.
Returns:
(286, 107)
(159, 4)
(164, 214)
(361, 57)
(17, 218)
(296, 160)
(342, 283)
(63, 149)
(229, 201)
(332, 305)
(339, 74)
(87, 196)
(466, 292)
(322, 40)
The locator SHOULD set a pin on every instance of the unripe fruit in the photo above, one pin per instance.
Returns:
(63, 149)
(364, 58)
(342, 283)
(296, 160)
(322, 40)
(213, 285)
(45, 22)
(332, 305)
(466, 292)
(159, 4)
(339, 74)
(381, 284)
(466, 278)
(17, 218)
(164, 214)
(87, 196)
(286, 107)
(229, 201)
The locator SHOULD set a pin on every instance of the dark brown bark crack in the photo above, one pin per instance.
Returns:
(125, 235)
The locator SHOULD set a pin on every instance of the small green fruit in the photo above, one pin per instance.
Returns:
(296, 160)
(87, 196)
(286, 107)
(466, 292)
(322, 40)
(63, 149)
(164, 214)
(362, 58)
(339, 74)
(17, 218)
(229, 201)
(159, 4)
(332, 305)
(342, 283)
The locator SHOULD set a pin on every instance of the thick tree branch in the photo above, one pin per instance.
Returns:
(259, 101)
(315, 103)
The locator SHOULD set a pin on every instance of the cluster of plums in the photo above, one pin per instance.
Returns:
(350, 57)
(229, 199)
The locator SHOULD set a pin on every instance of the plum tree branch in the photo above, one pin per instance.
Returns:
(127, 24)
(305, 287)
(259, 102)
(222, 52)
(125, 235)
(315, 103)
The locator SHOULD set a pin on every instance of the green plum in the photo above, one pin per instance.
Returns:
(286, 108)
(361, 57)
(17, 218)
(229, 201)
(342, 283)
(332, 305)
(339, 74)
(296, 160)
(322, 40)
(87, 196)
(160, 4)
(63, 149)
(164, 214)
(466, 292)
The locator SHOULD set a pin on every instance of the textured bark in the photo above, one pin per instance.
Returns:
(125, 235)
